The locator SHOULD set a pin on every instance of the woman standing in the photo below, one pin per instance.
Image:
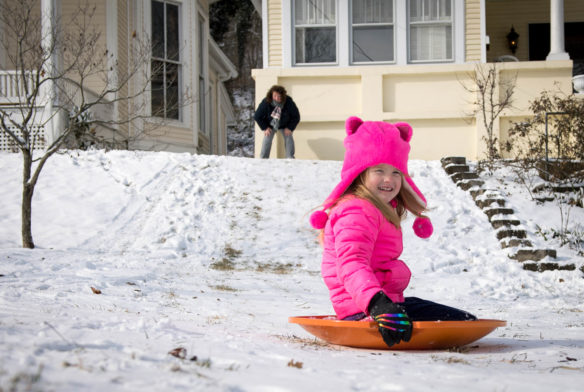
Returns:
(277, 111)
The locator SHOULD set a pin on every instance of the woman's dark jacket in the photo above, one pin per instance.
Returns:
(289, 118)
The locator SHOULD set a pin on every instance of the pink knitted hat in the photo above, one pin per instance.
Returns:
(368, 144)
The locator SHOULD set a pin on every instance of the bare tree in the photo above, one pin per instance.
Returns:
(492, 97)
(61, 74)
(549, 146)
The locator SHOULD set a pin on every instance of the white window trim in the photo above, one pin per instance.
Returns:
(287, 33)
(457, 36)
(145, 8)
(483, 32)
(459, 25)
(401, 36)
(288, 16)
(350, 40)
(204, 72)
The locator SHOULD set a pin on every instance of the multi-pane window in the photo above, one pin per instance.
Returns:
(315, 31)
(166, 66)
(372, 31)
(430, 24)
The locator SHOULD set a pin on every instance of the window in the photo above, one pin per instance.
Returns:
(166, 66)
(315, 31)
(372, 31)
(430, 27)
(357, 32)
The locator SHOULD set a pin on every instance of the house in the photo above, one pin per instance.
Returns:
(185, 107)
(413, 61)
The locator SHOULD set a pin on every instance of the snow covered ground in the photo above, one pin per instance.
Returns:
(140, 253)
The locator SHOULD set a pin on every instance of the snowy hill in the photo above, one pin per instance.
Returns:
(140, 253)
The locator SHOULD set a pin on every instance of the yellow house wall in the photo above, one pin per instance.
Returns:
(431, 98)
(501, 15)
(472, 30)
(275, 33)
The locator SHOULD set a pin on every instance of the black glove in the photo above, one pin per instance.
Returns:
(394, 324)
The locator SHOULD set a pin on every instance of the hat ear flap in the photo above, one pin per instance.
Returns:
(352, 124)
(405, 131)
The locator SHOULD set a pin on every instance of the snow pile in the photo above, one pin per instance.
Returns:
(160, 271)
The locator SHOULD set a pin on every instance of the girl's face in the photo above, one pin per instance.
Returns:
(384, 181)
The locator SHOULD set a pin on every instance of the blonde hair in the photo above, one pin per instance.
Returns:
(405, 200)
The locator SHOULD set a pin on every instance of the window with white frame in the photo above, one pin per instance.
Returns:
(315, 31)
(372, 32)
(430, 30)
(166, 65)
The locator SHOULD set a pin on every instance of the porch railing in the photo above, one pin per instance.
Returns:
(12, 88)
(12, 92)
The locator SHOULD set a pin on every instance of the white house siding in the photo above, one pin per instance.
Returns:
(123, 35)
(218, 114)
(5, 61)
(68, 10)
(165, 138)
(204, 144)
(184, 135)
(226, 116)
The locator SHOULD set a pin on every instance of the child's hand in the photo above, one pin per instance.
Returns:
(394, 324)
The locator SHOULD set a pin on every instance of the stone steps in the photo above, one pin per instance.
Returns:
(497, 224)
(507, 227)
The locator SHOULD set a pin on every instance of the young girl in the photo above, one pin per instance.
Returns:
(362, 235)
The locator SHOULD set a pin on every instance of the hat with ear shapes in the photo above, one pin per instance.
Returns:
(370, 143)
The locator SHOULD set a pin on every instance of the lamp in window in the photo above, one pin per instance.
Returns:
(512, 40)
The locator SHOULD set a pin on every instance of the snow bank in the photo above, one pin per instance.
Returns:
(212, 254)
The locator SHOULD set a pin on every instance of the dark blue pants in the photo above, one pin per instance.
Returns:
(423, 310)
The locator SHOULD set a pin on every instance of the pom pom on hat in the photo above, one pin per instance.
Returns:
(423, 227)
(318, 219)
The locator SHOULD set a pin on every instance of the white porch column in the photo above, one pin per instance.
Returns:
(557, 50)
(52, 116)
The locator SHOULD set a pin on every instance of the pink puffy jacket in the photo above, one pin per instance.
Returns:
(360, 257)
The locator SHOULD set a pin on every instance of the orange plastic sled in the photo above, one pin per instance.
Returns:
(426, 335)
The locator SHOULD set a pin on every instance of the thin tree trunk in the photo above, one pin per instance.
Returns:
(26, 208)
(27, 241)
